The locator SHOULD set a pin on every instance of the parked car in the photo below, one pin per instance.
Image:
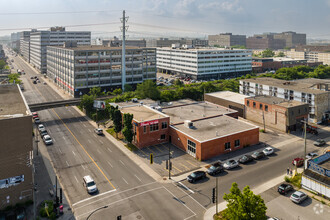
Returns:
(284, 188)
(245, 159)
(268, 151)
(215, 168)
(47, 139)
(41, 126)
(197, 175)
(298, 197)
(258, 155)
(311, 155)
(45, 83)
(299, 161)
(98, 131)
(319, 142)
(34, 114)
(37, 120)
(230, 164)
(35, 82)
(31, 77)
(43, 132)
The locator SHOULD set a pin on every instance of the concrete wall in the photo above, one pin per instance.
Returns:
(226, 103)
(311, 184)
(15, 148)
(322, 104)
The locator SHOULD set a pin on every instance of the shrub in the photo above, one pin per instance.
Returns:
(262, 130)
(287, 179)
(322, 202)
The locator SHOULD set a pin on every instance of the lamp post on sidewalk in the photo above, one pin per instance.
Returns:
(103, 207)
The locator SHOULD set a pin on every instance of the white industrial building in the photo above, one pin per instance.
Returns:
(76, 69)
(204, 63)
(56, 36)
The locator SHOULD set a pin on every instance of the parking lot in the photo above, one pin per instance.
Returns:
(181, 161)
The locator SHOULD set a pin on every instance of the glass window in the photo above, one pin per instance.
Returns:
(248, 103)
(237, 144)
(191, 146)
(227, 146)
(266, 108)
(164, 125)
(260, 106)
(153, 127)
(144, 129)
(162, 137)
(254, 104)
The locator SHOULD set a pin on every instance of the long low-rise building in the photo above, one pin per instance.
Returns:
(207, 63)
(201, 129)
(76, 69)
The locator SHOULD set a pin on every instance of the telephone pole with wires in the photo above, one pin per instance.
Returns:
(123, 50)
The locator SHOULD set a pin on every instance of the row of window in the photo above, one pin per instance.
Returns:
(255, 105)
(154, 127)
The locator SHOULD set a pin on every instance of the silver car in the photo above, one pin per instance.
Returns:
(47, 139)
(230, 164)
(298, 197)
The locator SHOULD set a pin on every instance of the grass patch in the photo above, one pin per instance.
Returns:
(296, 180)
(262, 130)
(219, 215)
(113, 133)
(131, 147)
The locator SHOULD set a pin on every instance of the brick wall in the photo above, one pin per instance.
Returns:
(229, 104)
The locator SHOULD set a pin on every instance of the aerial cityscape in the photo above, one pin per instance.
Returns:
(163, 109)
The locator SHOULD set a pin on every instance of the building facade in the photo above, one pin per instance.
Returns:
(14, 40)
(314, 92)
(312, 56)
(274, 112)
(16, 173)
(116, 42)
(291, 39)
(213, 63)
(165, 42)
(227, 40)
(76, 69)
(265, 41)
(57, 36)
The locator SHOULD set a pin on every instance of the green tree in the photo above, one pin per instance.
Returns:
(128, 127)
(244, 206)
(95, 91)
(14, 77)
(281, 54)
(168, 95)
(117, 121)
(87, 102)
(267, 53)
(178, 82)
(128, 88)
(2, 64)
(117, 91)
(148, 89)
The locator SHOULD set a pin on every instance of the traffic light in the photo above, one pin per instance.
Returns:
(151, 158)
(213, 195)
(119, 217)
(61, 196)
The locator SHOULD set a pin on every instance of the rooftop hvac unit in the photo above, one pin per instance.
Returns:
(159, 108)
(188, 124)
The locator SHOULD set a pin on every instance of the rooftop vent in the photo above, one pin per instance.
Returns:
(188, 124)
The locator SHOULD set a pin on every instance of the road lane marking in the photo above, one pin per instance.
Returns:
(59, 149)
(89, 130)
(101, 141)
(110, 164)
(184, 166)
(125, 181)
(81, 121)
(98, 151)
(94, 135)
(98, 195)
(67, 163)
(85, 150)
(138, 178)
(74, 153)
(83, 166)
(184, 186)
(122, 162)
(84, 125)
(63, 137)
(191, 163)
(109, 149)
(89, 141)
(76, 179)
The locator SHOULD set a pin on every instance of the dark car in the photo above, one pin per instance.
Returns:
(215, 168)
(34, 82)
(258, 155)
(197, 175)
(319, 142)
(284, 188)
(298, 161)
(43, 132)
(245, 159)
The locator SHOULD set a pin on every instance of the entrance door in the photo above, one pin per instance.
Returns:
(170, 139)
(191, 148)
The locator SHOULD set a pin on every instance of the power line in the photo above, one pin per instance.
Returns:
(55, 12)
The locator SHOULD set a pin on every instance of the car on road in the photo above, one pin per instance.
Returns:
(319, 142)
(43, 132)
(311, 155)
(215, 168)
(47, 139)
(299, 161)
(34, 114)
(197, 175)
(98, 131)
(268, 151)
(298, 197)
(230, 164)
(41, 126)
(45, 83)
(245, 159)
(258, 155)
(284, 188)
(31, 77)
(273, 218)
(89, 183)
(37, 120)
(35, 82)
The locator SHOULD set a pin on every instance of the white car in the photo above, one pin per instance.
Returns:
(311, 155)
(298, 197)
(230, 164)
(47, 139)
(41, 126)
(268, 151)
(98, 131)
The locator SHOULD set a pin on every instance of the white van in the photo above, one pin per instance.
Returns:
(89, 184)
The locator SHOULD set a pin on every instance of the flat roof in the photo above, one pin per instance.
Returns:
(194, 111)
(212, 128)
(280, 59)
(12, 102)
(204, 49)
(143, 113)
(230, 96)
(276, 101)
(98, 47)
(306, 85)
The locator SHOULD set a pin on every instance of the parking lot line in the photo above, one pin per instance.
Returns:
(184, 166)
(151, 150)
(191, 163)
(143, 152)
(177, 168)
(167, 171)
(158, 149)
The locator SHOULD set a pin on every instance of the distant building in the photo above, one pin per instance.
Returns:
(16, 173)
(312, 56)
(115, 42)
(283, 115)
(315, 92)
(208, 63)
(264, 41)
(56, 36)
(165, 42)
(291, 39)
(227, 40)
(76, 69)
(14, 40)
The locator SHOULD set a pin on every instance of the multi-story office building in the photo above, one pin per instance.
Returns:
(57, 36)
(291, 38)
(24, 46)
(165, 42)
(16, 175)
(227, 40)
(115, 42)
(313, 56)
(14, 40)
(76, 69)
(209, 63)
(315, 92)
(264, 41)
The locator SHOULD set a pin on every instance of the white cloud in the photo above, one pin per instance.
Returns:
(225, 5)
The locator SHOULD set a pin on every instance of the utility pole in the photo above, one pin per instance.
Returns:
(169, 161)
(123, 50)
(305, 127)
(263, 118)
(216, 196)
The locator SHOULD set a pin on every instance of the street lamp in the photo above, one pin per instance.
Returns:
(103, 207)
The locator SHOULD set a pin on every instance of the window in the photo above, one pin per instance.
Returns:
(164, 125)
(153, 127)
(260, 106)
(144, 129)
(227, 146)
(248, 103)
(162, 137)
(254, 104)
(191, 147)
(266, 108)
(237, 143)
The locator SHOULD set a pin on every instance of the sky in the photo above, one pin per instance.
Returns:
(169, 18)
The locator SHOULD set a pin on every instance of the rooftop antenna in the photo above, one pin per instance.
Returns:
(123, 50)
